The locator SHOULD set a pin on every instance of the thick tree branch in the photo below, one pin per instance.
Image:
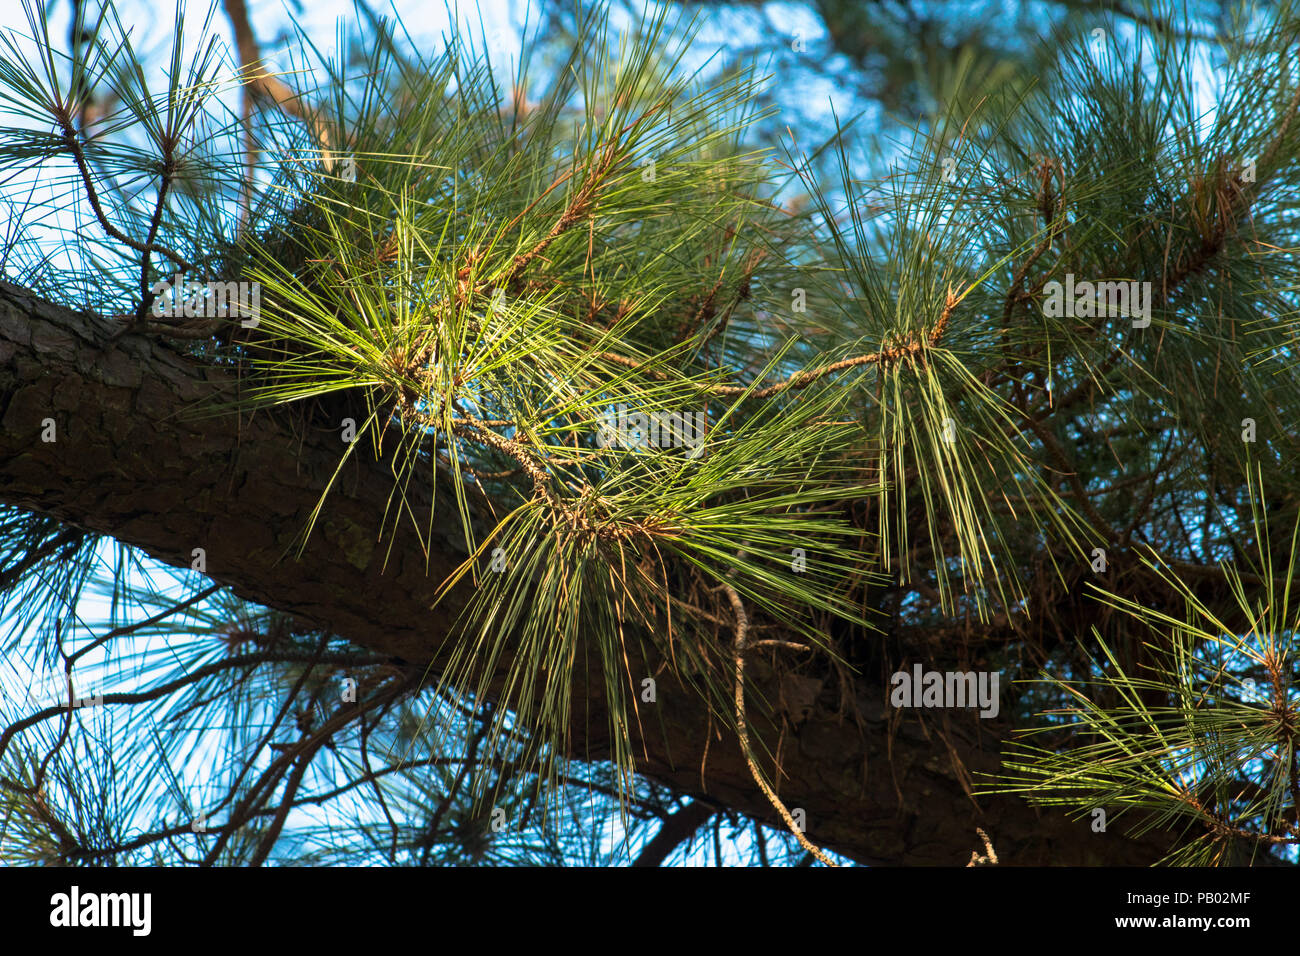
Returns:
(678, 827)
(130, 461)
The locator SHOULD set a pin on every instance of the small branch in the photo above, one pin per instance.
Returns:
(73, 146)
(146, 292)
(678, 827)
(884, 356)
(129, 628)
(804, 379)
(575, 211)
(1223, 828)
(258, 81)
(742, 731)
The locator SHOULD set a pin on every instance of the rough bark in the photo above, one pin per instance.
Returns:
(130, 461)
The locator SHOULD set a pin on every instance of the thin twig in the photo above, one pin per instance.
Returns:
(742, 730)
(989, 857)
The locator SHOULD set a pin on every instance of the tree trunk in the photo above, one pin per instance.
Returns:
(130, 460)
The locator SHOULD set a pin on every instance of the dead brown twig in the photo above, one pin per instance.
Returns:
(742, 730)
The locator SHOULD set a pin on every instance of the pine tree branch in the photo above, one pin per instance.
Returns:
(133, 460)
